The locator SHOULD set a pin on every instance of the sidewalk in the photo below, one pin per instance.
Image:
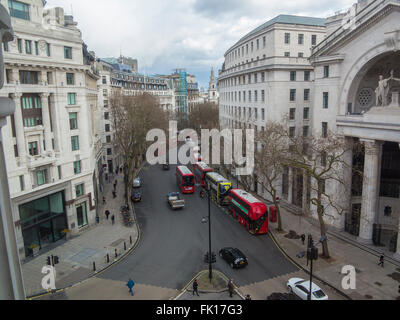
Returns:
(372, 282)
(78, 254)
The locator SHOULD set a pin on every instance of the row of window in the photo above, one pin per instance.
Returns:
(132, 78)
(244, 50)
(237, 96)
(234, 111)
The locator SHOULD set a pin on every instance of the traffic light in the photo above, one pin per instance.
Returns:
(56, 260)
(213, 258)
(48, 261)
(206, 258)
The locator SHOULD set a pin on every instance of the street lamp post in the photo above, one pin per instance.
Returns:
(209, 232)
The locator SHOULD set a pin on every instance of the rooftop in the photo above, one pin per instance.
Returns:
(287, 19)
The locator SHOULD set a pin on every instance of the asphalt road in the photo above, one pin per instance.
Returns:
(173, 243)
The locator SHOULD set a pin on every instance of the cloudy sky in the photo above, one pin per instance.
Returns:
(168, 34)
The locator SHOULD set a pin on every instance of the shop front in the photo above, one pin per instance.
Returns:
(43, 222)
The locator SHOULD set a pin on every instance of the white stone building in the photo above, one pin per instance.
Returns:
(49, 149)
(348, 64)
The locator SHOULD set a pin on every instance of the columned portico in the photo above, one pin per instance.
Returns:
(370, 189)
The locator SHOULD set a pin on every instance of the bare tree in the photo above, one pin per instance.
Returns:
(320, 157)
(133, 117)
(203, 116)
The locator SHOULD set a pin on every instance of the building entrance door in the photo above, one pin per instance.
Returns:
(45, 234)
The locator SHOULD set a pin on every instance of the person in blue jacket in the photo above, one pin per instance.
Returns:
(130, 285)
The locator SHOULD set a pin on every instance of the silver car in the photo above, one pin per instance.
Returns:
(137, 182)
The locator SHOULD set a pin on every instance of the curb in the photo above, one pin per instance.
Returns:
(44, 294)
(271, 235)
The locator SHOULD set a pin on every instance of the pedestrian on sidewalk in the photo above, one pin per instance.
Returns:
(303, 238)
(196, 287)
(104, 200)
(116, 171)
(248, 297)
(130, 285)
(231, 287)
(381, 260)
(107, 213)
(114, 194)
(113, 219)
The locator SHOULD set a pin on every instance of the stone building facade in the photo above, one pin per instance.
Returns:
(49, 149)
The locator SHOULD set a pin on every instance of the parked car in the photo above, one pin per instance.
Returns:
(234, 257)
(165, 166)
(136, 197)
(137, 182)
(301, 288)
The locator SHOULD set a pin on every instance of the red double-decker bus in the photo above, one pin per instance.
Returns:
(249, 211)
(185, 179)
(200, 170)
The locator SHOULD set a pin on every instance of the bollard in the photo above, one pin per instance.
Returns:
(130, 239)
(94, 266)
(124, 245)
(108, 258)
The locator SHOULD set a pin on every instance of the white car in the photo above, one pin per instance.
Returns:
(137, 182)
(301, 288)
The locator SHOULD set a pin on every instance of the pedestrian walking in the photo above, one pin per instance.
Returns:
(107, 213)
(104, 200)
(113, 219)
(114, 194)
(97, 219)
(196, 287)
(381, 260)
(130, 285)
(116, 171)
(231, 287)
(248, 297)
(303, 238)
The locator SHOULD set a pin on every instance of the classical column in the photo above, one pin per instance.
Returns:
(370, 190)
(346, 194)
(46, 121)
(19, 129)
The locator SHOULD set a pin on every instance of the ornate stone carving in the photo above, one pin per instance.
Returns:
(383, 90)
(392, 40)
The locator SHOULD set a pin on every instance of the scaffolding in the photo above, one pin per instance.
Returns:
(181, 92)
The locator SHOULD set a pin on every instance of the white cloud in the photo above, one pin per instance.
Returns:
(168, 34)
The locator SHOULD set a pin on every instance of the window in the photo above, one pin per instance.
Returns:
(22, 183)
(16, 151)
(292, 131)
(104, 80)
(323, 159)
(306, 94)
(306, 113)
(325, 98)
(36, 48)
(252, 46)
(71, 98)
(306, 75)
(264, 42)
(73, 120)
(19, 43)
(108, 139)
(292, 75)
(255, 78)
(105, 92)
(313, 39)
(263, 114)
(326, 71)
(263, 95)
(105, 102)
(18, 9)
(287, 38)
(262, 76)
(75, 143)
(301, 38)
(287, 54)
(67, 52)
(292, 95)
(301, 55)
(258, 44)
(249, 96)
(5, 46)
(77, 167)
(255, 96)
(324, 129)
(28, 46)
(81, 215)
(33, 148)
(28, 77)
(305, 131)
(70, 78)
(107, 128)
(32, 122)
(109, 151)
(292, 114)
(59, 172)
(41, 176)
(79, 190)
(48, 52)
(31, 103)
(106, 115)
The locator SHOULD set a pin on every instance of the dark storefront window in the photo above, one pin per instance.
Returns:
(81, 215)
(43, 221)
